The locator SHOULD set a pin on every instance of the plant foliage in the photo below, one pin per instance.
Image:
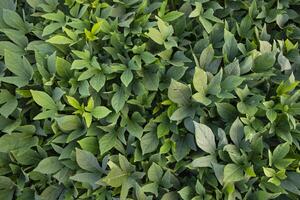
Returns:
(149, 99)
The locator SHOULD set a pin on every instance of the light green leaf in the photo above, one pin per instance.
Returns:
(236, 132)
(126, 77)
(97, 82)
(165, 29)
(233, 173)
(73, 102)
(49, 165)
(59, 39)
(89, 144)
(69, 123)
(43, 99)
(205, 161)
(90, 178)
(207, 56)
(149, 143)
(118, 100)
(107, 142)
(206, 24)
(12, 19)
(115, 177)
(284, 62)
(155, 35)
(63, 68)
(231, 82)
(197, 11)
(13, 141)
(100, 112)
(280, 152)
(134, 129)
(17, 65)
(179, 93)
(264, 62)
(87, 161)
(205, 138)
(148, 58)
(230, 48)
(200, 80)
(214, 86)
(171, 16)
(201, 98)
(155, 173)
(162, 130)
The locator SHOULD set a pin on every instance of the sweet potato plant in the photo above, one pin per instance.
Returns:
(149, 99)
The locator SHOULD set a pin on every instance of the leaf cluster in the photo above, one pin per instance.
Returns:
(149, 99)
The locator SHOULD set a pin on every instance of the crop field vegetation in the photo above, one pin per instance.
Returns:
(149, 100)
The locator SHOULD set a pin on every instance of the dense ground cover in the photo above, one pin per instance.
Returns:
(149, 99)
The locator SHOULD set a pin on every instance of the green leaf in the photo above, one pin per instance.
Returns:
(200, 80)
(89, 144)
(205, 138)
(59, 39)
(87, 161)
(43, 99)
(9, 102)
(49, 165)
(13, 20)
(97, 82)
(179, 93)
(115, 177)
(63, 68)
(134, 129)
(264, 62)
(90, 178)
(69, 123)
(206, 24)
(232, 173)
(162, 130)
(17, 65)
(170, 196)
(284, 62)
(118, 100)
(271, 115)
(231, 82)
(52, 192)
(9, 46)
(16, 36)
(226, 111)
(149, 143)
(197, 11)
(13, 141)
(100, 112)
(280, 152)
(214, 86)
(236, 132)
(127, 77)
(186, 193)
(230, 48)
(201, 98)
(182, 146)
(205, 161)
(171, 16)
(7, 187)
(155, 35)
(207, 56)
(107, 142)
(73, 102)
(165, 29)
(155, 173)
(148, 58)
